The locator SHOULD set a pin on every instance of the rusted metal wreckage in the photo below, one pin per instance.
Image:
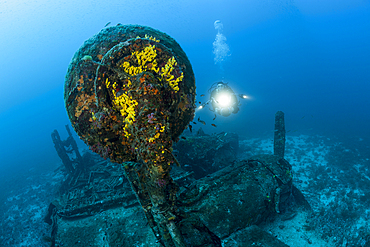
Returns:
(129, 94)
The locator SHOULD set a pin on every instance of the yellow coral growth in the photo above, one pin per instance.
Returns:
(152, 38)
(144, 58)
(158, 134)
(166, 74)
(125, 104)
(131, 70)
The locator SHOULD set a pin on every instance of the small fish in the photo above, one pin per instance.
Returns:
(214, 125)
(194, 123)
(215, 117)
(183, 137)
(200, 102)
(191, 128)
(107, 24)
(201, 121)
(303, 117)
(202, 95)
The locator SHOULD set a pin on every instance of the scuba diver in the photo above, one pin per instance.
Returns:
(223, 100)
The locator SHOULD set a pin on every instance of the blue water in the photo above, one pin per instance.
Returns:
(310, 59)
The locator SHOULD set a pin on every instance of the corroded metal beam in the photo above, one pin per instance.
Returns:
(279, 136)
